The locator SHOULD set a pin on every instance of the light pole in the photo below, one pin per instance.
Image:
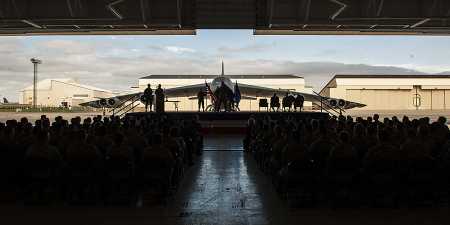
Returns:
(35, 65)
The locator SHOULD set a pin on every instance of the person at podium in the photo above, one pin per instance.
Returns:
(159, 104)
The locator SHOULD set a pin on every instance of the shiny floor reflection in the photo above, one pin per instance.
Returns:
(227, 188)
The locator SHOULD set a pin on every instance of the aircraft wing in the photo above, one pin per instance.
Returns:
(258, 91)
(117, 99)
(184, 91)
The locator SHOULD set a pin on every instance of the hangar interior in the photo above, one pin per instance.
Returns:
(298, 17)
(226, 186)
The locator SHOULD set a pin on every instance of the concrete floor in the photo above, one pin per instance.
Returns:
(225, 187)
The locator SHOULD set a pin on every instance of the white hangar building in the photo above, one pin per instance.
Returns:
(60, 92)
(392, 92)
(288, 81)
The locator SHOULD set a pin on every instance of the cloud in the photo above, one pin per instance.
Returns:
(68, 46)
(245, 49)
(179, 50)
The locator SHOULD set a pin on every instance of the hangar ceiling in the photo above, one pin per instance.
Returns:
(405, 17)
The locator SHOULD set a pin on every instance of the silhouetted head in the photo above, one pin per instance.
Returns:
(148, 85)
(422, 131)
(24, 120)
(376, 117)
(442, 120)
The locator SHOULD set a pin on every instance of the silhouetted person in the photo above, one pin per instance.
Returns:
(41, 148)
(223, 97)
(320, 149)
(274, 102)
(298, 102)
(159, 93)
(287, 102)
(230, 99)
(148, 96)
(201, 100)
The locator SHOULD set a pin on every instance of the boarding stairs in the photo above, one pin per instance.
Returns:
(325, 106)
(126, 106)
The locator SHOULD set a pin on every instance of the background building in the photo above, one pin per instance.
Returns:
(291, 82)
(392, 92)
(58, 92)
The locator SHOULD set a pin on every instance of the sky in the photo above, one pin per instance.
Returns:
(116, 62)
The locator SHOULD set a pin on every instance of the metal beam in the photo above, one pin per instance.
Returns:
(32, 24)
(349, 32)
(143, 8)
(420, 23)
(307, 11)
(340, 10)
(113, 10)
(27, 32)
(271, 13)
(179, 13)
(380, 8)
(69, 6)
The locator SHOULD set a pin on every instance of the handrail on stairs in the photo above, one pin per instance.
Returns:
(122, 106)
(131, 108)
(322, 102)
(122, 103)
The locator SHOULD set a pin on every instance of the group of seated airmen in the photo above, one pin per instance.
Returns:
(342, 160)
(97, 159)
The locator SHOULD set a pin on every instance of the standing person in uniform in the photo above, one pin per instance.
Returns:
(148, 95)
(274, 102)
(159, 93)
(298, 102)
(201, 100)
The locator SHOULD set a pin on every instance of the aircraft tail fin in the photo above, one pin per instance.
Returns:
(210, 93)
(5, 100)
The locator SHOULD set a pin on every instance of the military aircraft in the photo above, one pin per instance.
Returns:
(222, 82)
(11, 105)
